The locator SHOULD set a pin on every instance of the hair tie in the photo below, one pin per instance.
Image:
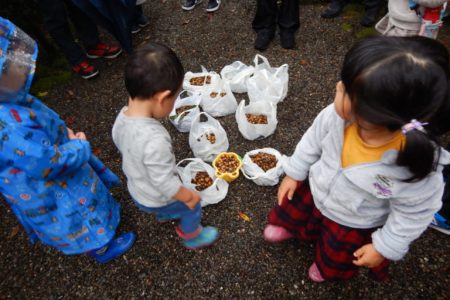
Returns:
(412, 125)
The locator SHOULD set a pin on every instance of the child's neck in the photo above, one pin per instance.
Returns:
(374, 135)
(139, 109)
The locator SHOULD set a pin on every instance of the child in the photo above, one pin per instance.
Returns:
(268, 15)
(404, 17)
(53, 184)
(153, 78)
(375, 172)
(212, 6)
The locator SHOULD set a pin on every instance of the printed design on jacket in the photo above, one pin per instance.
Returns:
(383, 186)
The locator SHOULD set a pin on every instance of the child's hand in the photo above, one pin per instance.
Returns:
(287, 186)
(72, 135)
(188, 197)
(368, 256)
(195, 199)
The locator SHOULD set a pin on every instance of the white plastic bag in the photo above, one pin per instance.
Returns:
(204, 78)
(267, 83)
(256, 131)
(237, 75)
(212, 194)
(218, 100)
(207, 139)
(255, 173)
(182, 121)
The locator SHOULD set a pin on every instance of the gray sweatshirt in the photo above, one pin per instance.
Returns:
(147, 159)
(365, 195)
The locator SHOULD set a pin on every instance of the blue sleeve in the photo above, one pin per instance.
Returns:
(45, 162)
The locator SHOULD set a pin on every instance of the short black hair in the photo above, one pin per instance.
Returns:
(392, 80)
(153, 68)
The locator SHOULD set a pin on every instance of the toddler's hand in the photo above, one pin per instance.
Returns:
(81, 135)
(194, 200)
(70, 134)
(368, 256)
(287, 188)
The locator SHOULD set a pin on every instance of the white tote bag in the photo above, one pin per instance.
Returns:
(237, 75)
(267, 83)
(182, 121)
(256, 131)
(218, 100)
(212, 194)
(254, 172)
(208, 138)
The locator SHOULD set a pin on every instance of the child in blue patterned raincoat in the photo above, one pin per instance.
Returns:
(53, 184)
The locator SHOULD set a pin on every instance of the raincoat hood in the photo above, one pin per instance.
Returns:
(18, 53)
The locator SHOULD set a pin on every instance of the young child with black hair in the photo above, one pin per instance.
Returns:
(153, 78)
(366, 178)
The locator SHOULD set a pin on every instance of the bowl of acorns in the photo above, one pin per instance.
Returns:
(227, 166)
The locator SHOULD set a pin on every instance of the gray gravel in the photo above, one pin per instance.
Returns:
(241, 264)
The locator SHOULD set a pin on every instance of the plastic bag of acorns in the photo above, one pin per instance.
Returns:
(263, 166)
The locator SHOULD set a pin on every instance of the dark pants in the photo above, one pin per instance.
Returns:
(369, 4)
(334, 243)
(445, 210)
(268, 14)
(56, 14)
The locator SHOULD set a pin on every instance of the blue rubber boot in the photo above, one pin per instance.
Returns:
(114, 248)
(201, 238)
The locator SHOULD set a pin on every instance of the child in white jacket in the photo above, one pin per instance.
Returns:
(404, 17)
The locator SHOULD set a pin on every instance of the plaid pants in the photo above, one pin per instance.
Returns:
(334, 243)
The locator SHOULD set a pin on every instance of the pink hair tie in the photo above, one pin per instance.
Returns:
(413, 124)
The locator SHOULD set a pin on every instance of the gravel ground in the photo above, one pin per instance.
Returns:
(241, 264)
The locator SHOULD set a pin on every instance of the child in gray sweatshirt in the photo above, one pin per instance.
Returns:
(153, 78)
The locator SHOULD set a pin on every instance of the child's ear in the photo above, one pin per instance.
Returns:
(162, 96)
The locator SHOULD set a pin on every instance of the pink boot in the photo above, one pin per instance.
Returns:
(275, 234)
(314, 274)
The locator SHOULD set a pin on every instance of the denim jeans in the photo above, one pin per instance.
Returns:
(56, 14)
(189, 218)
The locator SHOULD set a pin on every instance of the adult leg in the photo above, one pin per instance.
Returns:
(334, 9)
(372, 9)
(289, 22)
(86, 28)
(264, 23)
(55, 19)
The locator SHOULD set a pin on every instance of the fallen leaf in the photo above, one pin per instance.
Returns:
(96, 151)
(185, 22)
(71, 93)
(210, 16)
(69, 120)
(302, 62)
(244, 217)
(42, 94)
(14, 231)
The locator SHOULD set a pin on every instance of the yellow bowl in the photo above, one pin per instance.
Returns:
(229, 177)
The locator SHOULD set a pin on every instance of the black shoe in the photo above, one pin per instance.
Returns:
(213, 5)
(263, 39)
(334, 9)
(190, 4)
(287, 39)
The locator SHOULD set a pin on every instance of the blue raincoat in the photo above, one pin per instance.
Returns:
(55, 186)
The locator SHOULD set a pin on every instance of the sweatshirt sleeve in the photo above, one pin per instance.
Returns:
(46, 162)
(405, 223)
(160, 164)
(309, 149)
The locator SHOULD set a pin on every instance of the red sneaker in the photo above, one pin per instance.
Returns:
(104, 50)
(85, 70)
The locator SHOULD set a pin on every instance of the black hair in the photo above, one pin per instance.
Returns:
(392, 80)
(153, 68)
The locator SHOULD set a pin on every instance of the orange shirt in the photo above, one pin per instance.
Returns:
(356, 151)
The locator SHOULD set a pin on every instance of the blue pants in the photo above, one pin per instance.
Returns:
(189, 218)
